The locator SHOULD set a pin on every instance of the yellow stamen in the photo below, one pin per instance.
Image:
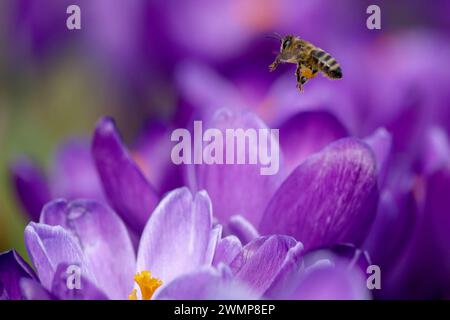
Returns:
(132, 295)
(147, 284)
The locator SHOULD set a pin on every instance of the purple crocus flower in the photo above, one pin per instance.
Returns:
(79, 232)
(275, 209)
(178, 239)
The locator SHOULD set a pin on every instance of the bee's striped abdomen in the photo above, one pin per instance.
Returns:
(327, 64)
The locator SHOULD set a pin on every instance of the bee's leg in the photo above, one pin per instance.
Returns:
(314, 72)
(274, 64)
(303, 74)
(301, 78)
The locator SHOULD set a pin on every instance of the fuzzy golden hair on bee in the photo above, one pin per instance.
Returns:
(310, 60)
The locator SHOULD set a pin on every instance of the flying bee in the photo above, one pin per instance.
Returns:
(309, 59)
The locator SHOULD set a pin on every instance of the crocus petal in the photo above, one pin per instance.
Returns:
(285, 280)
(330, 198)
(381, 142)
(12, 269)
(332, 282)
(33, 290)
(306, 133)
(227, 250)
(74, 174)
(242, 228)
(204, 284)
(103, 238)
(48, 246)
(31, 187)
(238, 188)
(125, 186)
(177, 237)
(262, 261)
(214, 238)
(86, 291)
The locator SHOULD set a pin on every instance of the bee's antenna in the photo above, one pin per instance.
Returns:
(274, 35)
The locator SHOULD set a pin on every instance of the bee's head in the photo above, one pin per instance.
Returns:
(286, 42)
(289, 45)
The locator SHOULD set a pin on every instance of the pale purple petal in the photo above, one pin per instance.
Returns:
(262, 261)
(227, 250)
(12, 269)
(125, 186)
(177, 237)
(306, 133)
(288, 274)
(103, 239)
(31, 186)
(238, 188)
(242, 228)
(48, 246)
(214, 238)
(250, 249)
(330, 198)
(87, 290)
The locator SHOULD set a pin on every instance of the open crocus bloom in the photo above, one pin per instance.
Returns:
(180, 256)
(178, 239)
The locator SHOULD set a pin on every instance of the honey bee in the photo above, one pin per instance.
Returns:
(309, 59)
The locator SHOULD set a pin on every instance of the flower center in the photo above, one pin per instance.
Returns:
(147, 284)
